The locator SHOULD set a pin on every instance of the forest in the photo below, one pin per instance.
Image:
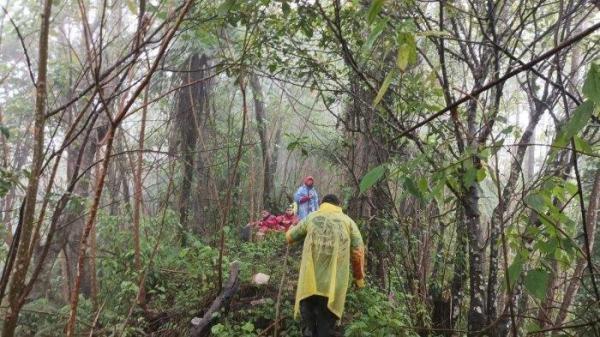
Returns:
(141, 140)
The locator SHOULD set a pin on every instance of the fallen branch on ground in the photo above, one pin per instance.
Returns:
(201, 326)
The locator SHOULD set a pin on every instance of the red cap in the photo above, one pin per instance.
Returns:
(309, 178)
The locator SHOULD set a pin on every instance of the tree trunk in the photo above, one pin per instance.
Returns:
(261, 126)
(22, 257)
(190, 118)
(476, 316)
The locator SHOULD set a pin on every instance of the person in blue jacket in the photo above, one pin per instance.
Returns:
(307, 198)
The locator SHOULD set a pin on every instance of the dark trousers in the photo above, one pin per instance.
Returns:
(317, 320)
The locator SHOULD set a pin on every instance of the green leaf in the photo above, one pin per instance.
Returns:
(532, 327)
(485, 153)
(5, 131)
(591, 87)
(217, 328)
(376, 6)
(536, 202)
(508, 130)
(423, 185)
(412, 188)
(248, 327)
(571, 187)
(578, 120)
(375, 32)
(481, 174)
(583, 146)
(469, 177)
(225, 7)
(403, 55)
(371, 178)
(285, 8)
(407, 50)
(515, 269)
(434, 33)
(385, 85)
(548, 247)
(536, 282)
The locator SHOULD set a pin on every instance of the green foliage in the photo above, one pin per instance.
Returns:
(578, 121)
(43, 318)
(385, 85)
(371, 178)
(376, 31)
(9, 180)
(246, 330)
(407, 50)
(583, 113)
(515, 269)
(591, 87)
(536, 282)
(4, 130)
(372, 314)
(299, 143)
(374, 9)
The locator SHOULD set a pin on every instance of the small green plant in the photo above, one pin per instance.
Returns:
(370, 313)
(237, 330)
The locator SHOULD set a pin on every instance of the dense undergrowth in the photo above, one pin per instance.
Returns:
(182, 281)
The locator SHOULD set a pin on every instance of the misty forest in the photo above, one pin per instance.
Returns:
(141, 142)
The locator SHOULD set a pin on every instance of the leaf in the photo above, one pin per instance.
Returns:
(412, 188)
(481, 174)
(375, 8)
(536, 282)
(515, 269)
(469, 177)
(407, 50)
(591, 87)
(385, 85)
(225, 7)
(571, 187)
(5, 131)
(403, 55)
(217, 328)
(578, 120)
(536, 202)
(508, 130)
(423, 185)
(434, 33)
(371, 178)
(532, 327)
(248, 327)
(583, 146)
(375, 32)
(285, 8)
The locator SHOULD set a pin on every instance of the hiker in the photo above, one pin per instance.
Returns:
(288, 219)
(332, 245)
(307, 198)
(268, 222)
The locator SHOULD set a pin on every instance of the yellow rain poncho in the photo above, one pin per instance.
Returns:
(331, 241)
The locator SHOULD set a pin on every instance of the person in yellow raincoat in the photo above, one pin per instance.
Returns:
(332, 245)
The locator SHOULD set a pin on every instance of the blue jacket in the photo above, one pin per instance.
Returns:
(309, 206)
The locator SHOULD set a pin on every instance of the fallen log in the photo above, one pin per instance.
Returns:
(200, 327)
